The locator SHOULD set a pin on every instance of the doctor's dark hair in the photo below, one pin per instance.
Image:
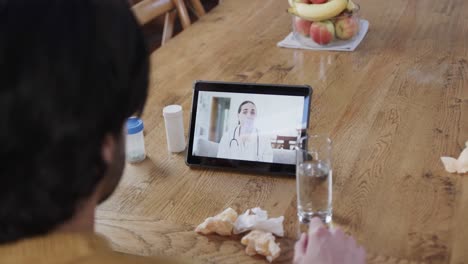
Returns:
(240, 107)
(71, 72)
(244, 103)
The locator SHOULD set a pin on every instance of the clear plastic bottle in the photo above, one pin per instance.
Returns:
(135, 146)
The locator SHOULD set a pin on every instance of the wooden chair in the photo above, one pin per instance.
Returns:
(285, 142)
(147, 10)
(197, 7)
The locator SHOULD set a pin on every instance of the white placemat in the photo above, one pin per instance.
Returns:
(291, 42)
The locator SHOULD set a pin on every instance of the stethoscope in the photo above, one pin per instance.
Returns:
(237, 142)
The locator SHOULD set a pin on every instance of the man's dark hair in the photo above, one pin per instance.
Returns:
(71, 72)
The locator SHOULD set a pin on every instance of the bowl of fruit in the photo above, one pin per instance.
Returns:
(324, 22)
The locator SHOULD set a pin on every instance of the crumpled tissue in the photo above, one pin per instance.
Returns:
(263, 243)
(221, 224)
(257, 219)
(459, 165)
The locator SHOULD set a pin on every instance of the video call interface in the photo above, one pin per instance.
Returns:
(252, 127)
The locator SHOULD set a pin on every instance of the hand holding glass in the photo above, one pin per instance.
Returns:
(327, 246)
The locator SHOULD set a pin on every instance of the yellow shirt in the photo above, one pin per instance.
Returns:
(68, 248)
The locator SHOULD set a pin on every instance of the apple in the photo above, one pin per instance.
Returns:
(302, 1)
(302, 26)
(346, 28)
(318, 1)
(322, 32)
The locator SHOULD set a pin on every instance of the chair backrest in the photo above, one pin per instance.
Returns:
(197, 7)
(147, 10)
(285, 142)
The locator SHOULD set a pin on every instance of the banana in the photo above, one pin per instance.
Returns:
(318, 12)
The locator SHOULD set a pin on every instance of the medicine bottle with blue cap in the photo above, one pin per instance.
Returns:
(135, 146)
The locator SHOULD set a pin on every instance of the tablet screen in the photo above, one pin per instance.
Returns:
(247, 126)
(253, 123)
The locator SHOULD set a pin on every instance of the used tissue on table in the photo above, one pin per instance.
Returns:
(459, 165)
(257, 219)
(221, 224)
(263, 243)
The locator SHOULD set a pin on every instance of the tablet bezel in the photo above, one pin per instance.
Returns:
(244, 88)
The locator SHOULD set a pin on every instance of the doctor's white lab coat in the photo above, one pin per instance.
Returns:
(235, 149)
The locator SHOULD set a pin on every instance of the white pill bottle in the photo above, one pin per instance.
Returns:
(174, 122)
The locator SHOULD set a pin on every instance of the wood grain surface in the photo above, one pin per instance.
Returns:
(393, 108)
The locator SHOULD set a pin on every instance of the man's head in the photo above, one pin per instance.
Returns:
(71, 72)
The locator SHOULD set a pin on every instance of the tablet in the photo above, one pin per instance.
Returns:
(246, 126)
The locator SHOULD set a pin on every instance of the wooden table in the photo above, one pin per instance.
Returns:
(392, 108)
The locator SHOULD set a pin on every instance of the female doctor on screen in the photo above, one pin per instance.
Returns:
(244, 141)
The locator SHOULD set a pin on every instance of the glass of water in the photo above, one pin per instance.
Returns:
(314, 178)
